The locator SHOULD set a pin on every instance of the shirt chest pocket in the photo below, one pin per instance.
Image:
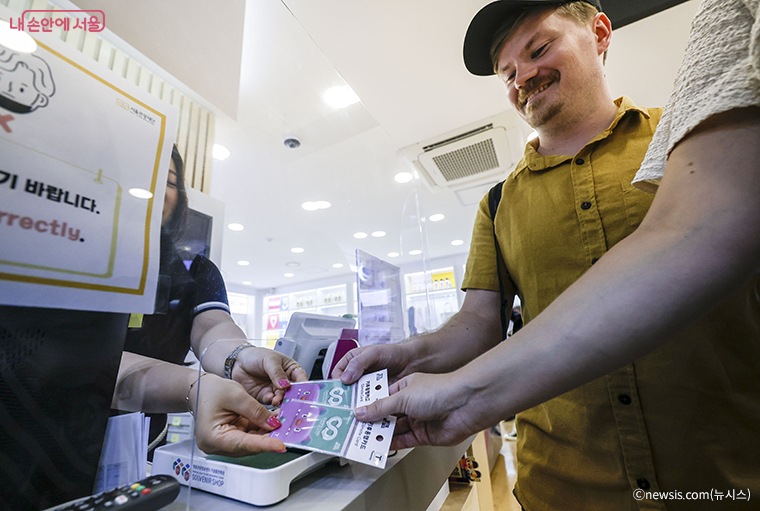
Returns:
(636, 204)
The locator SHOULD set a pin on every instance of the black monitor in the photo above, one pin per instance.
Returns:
(58, 370)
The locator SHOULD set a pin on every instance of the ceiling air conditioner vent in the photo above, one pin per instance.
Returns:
(471, 156)
(468, 161)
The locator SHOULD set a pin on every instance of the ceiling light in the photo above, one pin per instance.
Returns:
(403, 177)
(353, 267)
(235, 227)
(220, 152)
(456, 243)
(315, 205)
(297, 250)
(437, 217)
(378, 234)
(244, 263)
(337, 265)
(16, 40)
(140, 193)
(393, 254)
(415, 252)
(292, 264)
(360, 235)
(247, 282)
(340, 96)
(288, 275)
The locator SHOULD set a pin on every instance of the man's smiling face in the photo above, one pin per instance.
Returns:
(550, 65)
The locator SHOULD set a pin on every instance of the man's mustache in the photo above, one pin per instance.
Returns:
(533, 85)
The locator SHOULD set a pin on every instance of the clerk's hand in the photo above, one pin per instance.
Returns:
(432, 410)
(393, 357)
(229, 421)
(266, 374)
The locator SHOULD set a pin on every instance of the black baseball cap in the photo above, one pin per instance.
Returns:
(483, 27)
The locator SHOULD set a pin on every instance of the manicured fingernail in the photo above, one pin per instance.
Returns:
(282, 451)
(284, 383)
(274, 422)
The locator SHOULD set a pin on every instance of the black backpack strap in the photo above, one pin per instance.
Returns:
(494, 197)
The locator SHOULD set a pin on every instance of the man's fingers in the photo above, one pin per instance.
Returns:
(349, 368)
(379, 409)
(405, 441)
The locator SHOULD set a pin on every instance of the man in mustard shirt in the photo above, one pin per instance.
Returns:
(675, 421)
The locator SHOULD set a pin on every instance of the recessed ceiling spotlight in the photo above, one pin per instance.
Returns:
(340, 96)
(415, 252)
(360, 235)
(292, 143)
(235, 227)
(337, 265)
(16, 40)
(456, 243)
(219, 152)
(292, 264)
(378, 234)
(140, 193)
(247, 282)
(393, 254)
(353, 267)
(288, 275)
(244, 263)
(437, 217)
(315, 205)
(297, 250)
(403, 177)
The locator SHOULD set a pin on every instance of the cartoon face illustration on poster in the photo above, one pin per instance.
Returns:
(26, 82)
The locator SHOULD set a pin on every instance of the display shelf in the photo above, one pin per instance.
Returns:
(433, 296)
(330, 301)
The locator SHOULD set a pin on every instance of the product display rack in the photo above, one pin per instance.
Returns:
(330, 301)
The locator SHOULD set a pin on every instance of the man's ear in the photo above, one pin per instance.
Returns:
(602, 28)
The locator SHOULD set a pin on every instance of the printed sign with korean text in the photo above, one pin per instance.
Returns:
(75, 138)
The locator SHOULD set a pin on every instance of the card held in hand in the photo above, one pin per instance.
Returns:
(319, 416)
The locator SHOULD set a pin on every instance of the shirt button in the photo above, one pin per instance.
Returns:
(585, 205)
(580, 161)
(643, 483)
(594, 260)
(625, 399)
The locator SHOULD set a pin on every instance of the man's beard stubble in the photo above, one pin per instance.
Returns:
(534, 114)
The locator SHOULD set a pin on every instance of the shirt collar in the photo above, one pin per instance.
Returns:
(533, 161)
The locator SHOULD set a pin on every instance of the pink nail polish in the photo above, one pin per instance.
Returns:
(284, 383)
(274, 422)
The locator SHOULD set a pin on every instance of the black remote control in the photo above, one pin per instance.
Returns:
(153, 492)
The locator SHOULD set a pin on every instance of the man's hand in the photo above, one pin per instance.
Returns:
(393, 357)
(229, 421)
(431, 409)
(266, 374)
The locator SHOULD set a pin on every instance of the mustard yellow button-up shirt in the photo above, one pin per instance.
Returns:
(686, 417)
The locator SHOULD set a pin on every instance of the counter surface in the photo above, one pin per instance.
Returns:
(410, 481)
